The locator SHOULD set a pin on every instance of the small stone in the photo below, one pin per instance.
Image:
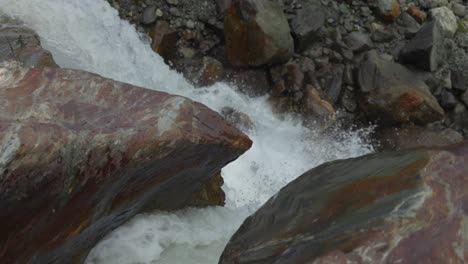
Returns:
(458, 82)
(187, 52)
(447, 99)
(358, 41)
(306, 23)
(388, 9)
(159, 12)
(417, 14)
(459, 9)
(190, 24)
(411, 26)
(348, 100)
(149, 15)
(318, 109)
(173, 2)
(382, 35)
(335, 85)
(175, 12)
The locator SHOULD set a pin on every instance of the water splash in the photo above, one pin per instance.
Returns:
(89, 35)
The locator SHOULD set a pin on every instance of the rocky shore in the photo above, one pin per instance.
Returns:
(389, 63)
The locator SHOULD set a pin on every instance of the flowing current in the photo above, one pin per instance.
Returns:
(89, 35)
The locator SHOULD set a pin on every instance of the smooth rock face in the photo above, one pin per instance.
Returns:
(392, 94)
(397, 207)
(81, 154)
(257, 33)
(21, 44)
(426, 49)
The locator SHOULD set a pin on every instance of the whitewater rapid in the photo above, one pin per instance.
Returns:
(88, 35)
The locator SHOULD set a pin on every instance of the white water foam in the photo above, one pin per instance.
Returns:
(88, 35)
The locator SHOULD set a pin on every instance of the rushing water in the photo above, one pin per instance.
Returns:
(88, 35)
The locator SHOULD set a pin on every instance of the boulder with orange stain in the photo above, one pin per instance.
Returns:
(392, 94)
(257, 33)
(395, 207)
(81, 154)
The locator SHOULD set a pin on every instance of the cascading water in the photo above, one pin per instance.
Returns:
(88, 35)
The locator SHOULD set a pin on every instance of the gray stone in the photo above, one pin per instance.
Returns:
(382, 35)
(459, 9)
(358, 41)
(445, 20)
(447, 99)
(149, 15)
(335, 85)
(426, 49)
(458, 81)
(306, 23)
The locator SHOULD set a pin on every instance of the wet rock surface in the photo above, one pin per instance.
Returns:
(20, 44)
(395, 207)
(82, 154)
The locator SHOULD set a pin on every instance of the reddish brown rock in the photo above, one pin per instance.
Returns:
(417, 14)
(392, 94)
(21, 44)
(81, 154)
(164, 40)
(388, 9)
(408, 207)
(210, 71)
(317, 108)
(257, 33)
(415, 137)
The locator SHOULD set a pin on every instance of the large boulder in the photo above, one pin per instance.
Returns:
(257, 33)
(426, 50)
(392, 94)
(18, 43)
(395, 207)
(81, 154)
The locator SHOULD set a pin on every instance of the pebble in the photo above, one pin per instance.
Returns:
(190, 24)
(173, 2)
